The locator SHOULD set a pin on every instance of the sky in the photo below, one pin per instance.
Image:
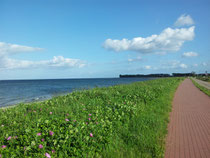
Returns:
(95, 39)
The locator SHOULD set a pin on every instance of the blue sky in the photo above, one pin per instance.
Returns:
(90, 38)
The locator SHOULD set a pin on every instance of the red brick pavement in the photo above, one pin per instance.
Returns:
(189, 126)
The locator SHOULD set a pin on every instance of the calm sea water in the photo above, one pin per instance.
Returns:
(18, 91)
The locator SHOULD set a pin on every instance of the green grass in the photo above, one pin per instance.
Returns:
(203, 89)
(118, 121)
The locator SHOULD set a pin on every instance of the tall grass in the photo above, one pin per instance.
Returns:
(118, 121)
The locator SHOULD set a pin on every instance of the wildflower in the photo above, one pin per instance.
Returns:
(67, 114)
(3, 146)
(51, 133)
(89, 119)
(39, 134)
(9, 138)
(74, 120)
(50, 113)
(91, 134)
(2, 125)
(0, 155)
(40, 109)
(53, 151)
(47, 155)
(42, 139)
(15, 137)
(67, 119)
(40, 146)
(86, 123)
(34, 111)
(89, 114)
(24, 148)
(96, 122)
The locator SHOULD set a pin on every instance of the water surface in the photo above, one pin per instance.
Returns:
(17, 91)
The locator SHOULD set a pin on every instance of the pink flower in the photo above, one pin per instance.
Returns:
(89, 114)
(15, 137)
(40, 109)
(40, 146)
(51, 133)
(24, 148)
(67, 114)
(47, 155)
(9, 138)
(34, 111)
(42, 139)
(89, 119)
(91, 134)
(53, 151)
(67, 119)
(0, 155)
(39, 134)
(50, 113)
(74, 120)
(96, 122)
(3, 146)
(86, 123)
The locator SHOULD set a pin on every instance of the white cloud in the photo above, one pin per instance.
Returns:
(138, 58)
(168, 40)
(147, 67)
(60, 61)
(190, 54)
(6, 62)
(184, 20)
(174, 64)
(56, 62)
(204, 64)
(184, 66)
(9, 49)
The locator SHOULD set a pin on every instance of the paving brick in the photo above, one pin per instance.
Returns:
(189, 126)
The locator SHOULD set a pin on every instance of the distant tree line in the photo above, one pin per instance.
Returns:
(166, 75)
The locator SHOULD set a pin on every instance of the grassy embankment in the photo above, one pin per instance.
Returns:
(203, 89)
(204, 78)
(119, 121)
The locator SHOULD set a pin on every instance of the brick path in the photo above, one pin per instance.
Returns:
(189, 126)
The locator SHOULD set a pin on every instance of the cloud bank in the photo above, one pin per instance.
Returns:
(6, 62)
(184, 20)
(168, 40)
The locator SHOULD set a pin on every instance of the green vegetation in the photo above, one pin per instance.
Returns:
(203, 89)
(204, 78)
(119, 121)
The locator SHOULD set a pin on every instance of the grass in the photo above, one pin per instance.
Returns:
(119, 121)
(204, 78)
(203, 89)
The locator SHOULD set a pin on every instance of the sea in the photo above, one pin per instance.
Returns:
(22, 91)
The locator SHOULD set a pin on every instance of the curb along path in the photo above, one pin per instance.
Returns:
(189, 126)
